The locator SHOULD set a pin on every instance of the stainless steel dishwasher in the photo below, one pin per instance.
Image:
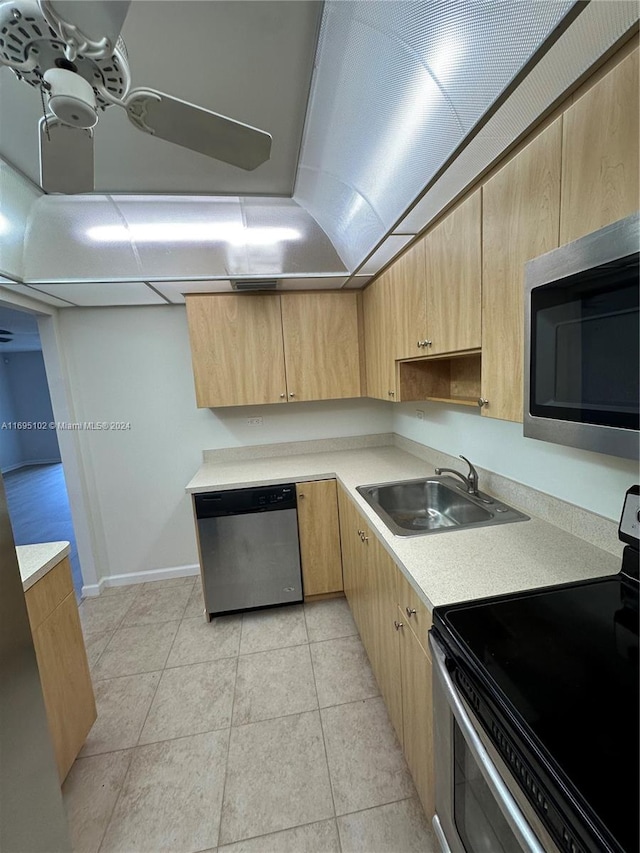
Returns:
(249, 548)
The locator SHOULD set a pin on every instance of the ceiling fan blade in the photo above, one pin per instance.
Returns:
(198, 129)
(66, 158)
(95, 19)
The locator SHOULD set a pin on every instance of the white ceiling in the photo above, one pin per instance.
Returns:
(357, 174)
(248, 60)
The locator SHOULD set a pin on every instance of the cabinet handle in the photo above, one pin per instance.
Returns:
(282, 396)
(482, 402)
(361, 533)
(397, 625)
(410, 611)
(291, 394)
(428, 343)
(391, 393)
(301, 496)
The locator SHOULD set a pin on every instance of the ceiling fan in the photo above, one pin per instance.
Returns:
(7, 336)
(72, 51)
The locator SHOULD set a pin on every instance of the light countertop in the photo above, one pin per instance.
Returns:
(36, 560)
(444, 568)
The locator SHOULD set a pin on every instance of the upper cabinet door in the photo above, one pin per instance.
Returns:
(408, 302)
(321, 346)
(236, 349)
(454, 284)
(379, 338)
(600, 154)
(521, 213)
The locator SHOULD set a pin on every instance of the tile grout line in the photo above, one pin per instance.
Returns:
(117, 799)
(146, 717)
(226, 763)
(324, 742)
(273, 832)
(224, 728)
(413, 796)
(91, 668)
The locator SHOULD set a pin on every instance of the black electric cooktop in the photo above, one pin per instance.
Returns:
(561, 664)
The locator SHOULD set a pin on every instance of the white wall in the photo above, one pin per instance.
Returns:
(134, 365)
(590, 480)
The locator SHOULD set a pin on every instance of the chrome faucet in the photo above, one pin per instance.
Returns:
(470, 481)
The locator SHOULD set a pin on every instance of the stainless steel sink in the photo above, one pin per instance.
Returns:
(434, 505)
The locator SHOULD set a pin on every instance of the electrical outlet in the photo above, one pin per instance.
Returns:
(254, 421)
(420, 414)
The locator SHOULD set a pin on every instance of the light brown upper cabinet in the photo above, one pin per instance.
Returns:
(408, 302)
(521, 213)
(600, 153)
(436, 288)
(379, 337)
(321, 346)
(454, 283)
(249, 349)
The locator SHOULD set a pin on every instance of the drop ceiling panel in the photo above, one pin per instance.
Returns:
(385, 252)
(357, 281)
(596, 29)
(397, 87)
(313, 283)
(32, 293)
(92, 294)
(249, 60)
(122, 238)
(174, 290)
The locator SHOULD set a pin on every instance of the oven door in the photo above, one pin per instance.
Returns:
(476, 810)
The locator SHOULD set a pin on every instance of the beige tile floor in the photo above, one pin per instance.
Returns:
(258, 733)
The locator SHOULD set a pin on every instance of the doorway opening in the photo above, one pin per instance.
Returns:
(30, 459)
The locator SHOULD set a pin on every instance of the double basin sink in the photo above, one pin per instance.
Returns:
(434, 505)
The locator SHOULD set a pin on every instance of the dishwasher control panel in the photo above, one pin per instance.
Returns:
(255, 499)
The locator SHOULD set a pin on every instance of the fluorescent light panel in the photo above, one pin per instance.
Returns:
(196, 232)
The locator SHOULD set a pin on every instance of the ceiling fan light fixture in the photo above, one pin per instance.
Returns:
(71, 98)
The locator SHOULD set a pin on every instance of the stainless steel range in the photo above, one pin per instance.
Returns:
(536, 715)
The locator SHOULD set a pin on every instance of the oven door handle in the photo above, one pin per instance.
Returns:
(502, 794)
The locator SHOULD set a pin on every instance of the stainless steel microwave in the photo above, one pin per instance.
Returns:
(582, 342)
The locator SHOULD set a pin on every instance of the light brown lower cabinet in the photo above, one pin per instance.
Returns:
(319, 533)
(384, 650)
(384, 606)
(62, 663)
(417, 713)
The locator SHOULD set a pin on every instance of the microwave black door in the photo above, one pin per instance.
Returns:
(585, 347)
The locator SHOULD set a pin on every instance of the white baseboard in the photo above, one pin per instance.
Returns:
(29, 463)
(93, 590)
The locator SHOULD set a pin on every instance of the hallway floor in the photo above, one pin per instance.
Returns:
(258, 733)
(39, 510)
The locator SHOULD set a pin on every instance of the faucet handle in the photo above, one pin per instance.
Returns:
(473, 474)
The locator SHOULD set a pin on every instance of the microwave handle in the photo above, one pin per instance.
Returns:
(499, 790)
